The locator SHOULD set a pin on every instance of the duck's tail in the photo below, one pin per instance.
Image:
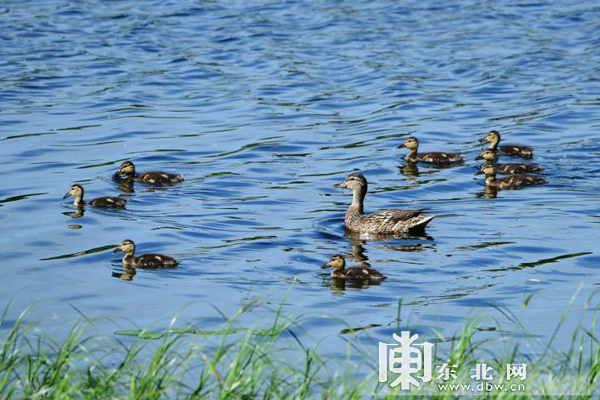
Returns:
(420, 222)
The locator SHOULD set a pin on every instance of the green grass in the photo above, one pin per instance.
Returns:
(273, 363)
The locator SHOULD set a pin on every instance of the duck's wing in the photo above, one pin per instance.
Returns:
(397, 215)
(398, 220)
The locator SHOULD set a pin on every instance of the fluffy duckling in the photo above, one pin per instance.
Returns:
(510, 182)
(363, 273)
(412, 144)
(512, 150)
(382, 221)
(491, 157)
(127, 168)
(145, 260)
(106, 201)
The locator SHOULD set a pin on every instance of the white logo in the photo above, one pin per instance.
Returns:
(410, 358)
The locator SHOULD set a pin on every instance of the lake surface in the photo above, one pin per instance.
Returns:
(263, 106)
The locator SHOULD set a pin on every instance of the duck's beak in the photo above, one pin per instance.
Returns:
(480, 172)
(479, 157)
(340, 185)
(116, 250)
(67, 195)
(326, 265)
(401, 146)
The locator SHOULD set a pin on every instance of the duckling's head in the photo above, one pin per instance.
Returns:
(127, 168)
(493, 137)
(488, 170)
(336, 262)
(412, 143)
(127, 246)
(488, 155)
(75, 190)
(354, 181)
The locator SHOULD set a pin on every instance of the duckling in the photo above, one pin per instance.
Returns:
(128, 169)
(510, 182)
(145, 260)
(491, 157)
(512, 150)
(363, 273)
(382, 221)
(412, 144)
(106, 201)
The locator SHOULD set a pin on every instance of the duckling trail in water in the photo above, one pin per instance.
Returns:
(106, 201)
(512, 150)
(127, 168)
(362, 273)
(412, 144)
(491, 157)
(145, 260)
(382, 221)
(510, 182)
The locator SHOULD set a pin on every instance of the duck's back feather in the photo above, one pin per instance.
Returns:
(519, 180)
(518, 151)
(364, 273)
(108, 202)
(159, 177)
(155, 261)
(439, 158)
(515, 168)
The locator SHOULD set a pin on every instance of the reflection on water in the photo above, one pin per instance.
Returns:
(125, 273)
(263, 108)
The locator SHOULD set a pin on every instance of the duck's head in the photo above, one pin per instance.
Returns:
(488, 170)
(412, 143)
(127, 246)
(127, 168)
(493, 137)
(354, 181)
(336, 262)
(75, 190)
(488, 155)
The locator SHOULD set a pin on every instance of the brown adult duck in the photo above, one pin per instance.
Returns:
(491, 157)
(145, 260)
(106, 201)
(127, 169)
(512, 150)
(412, 144)
(362, 273)
(382, 221)
(510, 182)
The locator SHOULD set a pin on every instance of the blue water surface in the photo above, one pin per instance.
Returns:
(263, 105)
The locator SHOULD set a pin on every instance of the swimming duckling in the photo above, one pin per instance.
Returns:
(128, 169)
(512, 150)
(145, 260)
(512, 181)
(106, 201)
(363, 273)
(412, 144)
(491, 157)
(382, 221)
